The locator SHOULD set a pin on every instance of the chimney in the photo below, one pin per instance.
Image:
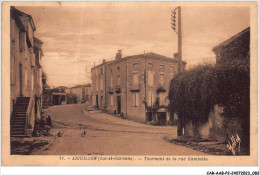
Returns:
(176, 56)
(119, 55)
(104, 61)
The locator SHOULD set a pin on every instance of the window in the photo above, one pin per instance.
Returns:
(118, 80)
(111, 78)
(172, 68)
(150, 78)
(96, 84)
(111, 100)
(101, 71)
(25, 77)
(101, 84)
(135, 99)
(28, 79)
(13, 31)
(12, 70)
(162, 99)
(22, 41)
(118, 68)
(150, 66)
(135, 78)
(161, 68)
(111, 81)
(161, 79)
(135, 65)
(150, 98)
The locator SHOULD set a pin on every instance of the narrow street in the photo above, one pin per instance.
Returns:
(107, 135)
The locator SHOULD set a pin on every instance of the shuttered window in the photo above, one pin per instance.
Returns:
(101, 84)
(111, 100)
(161, 78)
(135, 78)
(25, 77)
(22, 41)
(135, 99)
(150, 98)
(162, 99)
(118, 80)
(150, 78)
(13, 70)
(111, 81)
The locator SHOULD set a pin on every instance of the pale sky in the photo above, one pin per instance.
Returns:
(76, 37)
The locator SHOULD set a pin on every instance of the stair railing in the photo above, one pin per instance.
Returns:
(29, 111)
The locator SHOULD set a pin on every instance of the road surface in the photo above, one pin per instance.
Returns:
(108, 135)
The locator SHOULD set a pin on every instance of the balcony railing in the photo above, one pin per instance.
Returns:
(117, 89)
(161, 88)
(135, 87)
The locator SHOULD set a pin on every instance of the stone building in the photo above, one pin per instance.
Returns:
(130, 86)
(87, 92)
(77, 90)
(25, 73)
(236, 48)
(81, 91)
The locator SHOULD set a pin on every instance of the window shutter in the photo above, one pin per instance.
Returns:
(28, 79)
(133, 99)
(25, 78)
(111, 100)
(151, 79)
(152, 98)
(135, 78)
(137, 99)
(22, 41)
(149, 99)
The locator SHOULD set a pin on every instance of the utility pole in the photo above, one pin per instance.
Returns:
(181, 119)
(178, 31)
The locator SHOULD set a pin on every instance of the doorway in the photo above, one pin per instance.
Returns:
(101, 102)
(20, 80)
(97, 101)
(118, 105)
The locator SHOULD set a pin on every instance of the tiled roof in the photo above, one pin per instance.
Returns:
(228, 41)
(148, 55)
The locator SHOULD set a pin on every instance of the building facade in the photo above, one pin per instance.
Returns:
(25, 74)
(132, 86)
(81, 91)
(236, 48)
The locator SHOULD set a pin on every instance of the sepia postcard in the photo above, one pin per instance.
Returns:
(129, 83)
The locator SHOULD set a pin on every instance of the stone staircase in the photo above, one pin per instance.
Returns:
(18, 120)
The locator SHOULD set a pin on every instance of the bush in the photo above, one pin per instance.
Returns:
(194, 93)
(71, 98)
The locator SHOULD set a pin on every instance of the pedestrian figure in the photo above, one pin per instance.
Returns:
(42, 123)
(48, 121)
(83, 134)
(59, 134)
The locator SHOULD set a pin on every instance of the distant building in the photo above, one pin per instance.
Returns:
(81, 91)
(61, 88)
(130, 86)
(58, 98)
(236, 48)
(26, 74)
(87, 92)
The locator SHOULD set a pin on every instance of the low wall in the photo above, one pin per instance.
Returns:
(218, 127)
